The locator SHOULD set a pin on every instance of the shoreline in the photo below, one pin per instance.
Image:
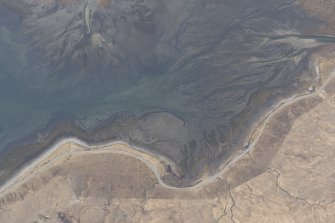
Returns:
(21, 174)
(251, 141)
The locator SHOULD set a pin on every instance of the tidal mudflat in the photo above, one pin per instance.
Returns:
(75, 182)
(186, 80)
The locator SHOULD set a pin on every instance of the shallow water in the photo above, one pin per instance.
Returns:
(187, 85)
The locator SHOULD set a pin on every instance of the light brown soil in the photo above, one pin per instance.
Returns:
(288, 177)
